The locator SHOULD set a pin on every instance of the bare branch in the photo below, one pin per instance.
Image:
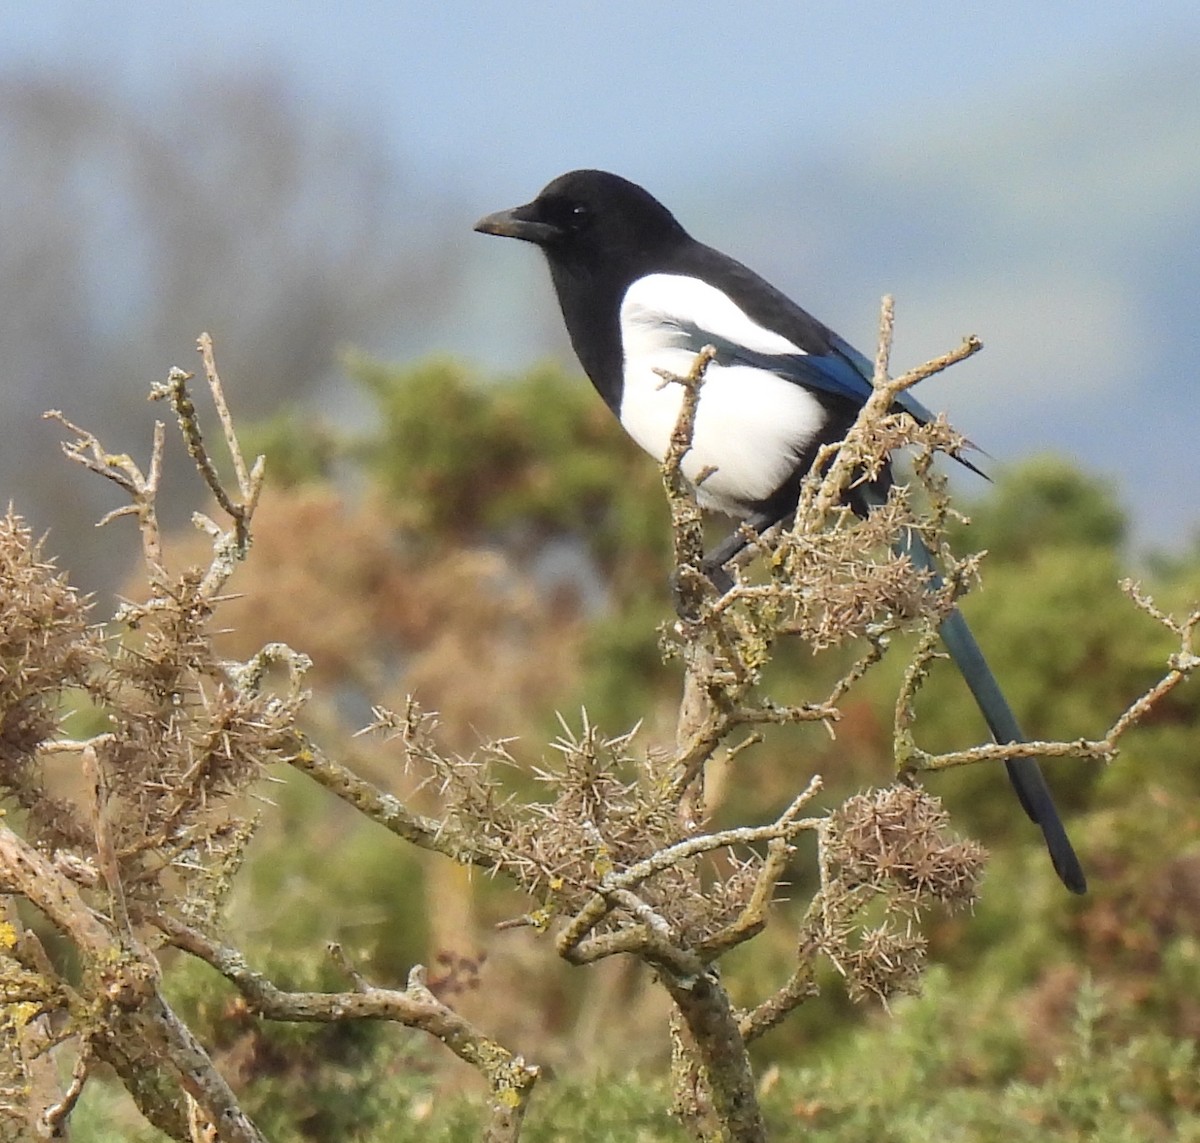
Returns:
(205, 347)
(53, 1119)
(388, 810)
(123, 471)
(1181, 666)
(510, 1078)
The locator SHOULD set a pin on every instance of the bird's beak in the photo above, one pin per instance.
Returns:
(520, 222)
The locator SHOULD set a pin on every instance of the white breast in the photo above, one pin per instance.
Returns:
(751, 424)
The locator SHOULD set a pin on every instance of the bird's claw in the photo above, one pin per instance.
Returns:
(690, 587)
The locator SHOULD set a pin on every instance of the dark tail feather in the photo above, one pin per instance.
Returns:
(1024, 773)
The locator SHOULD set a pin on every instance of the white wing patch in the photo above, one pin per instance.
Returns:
(751, 425)
(687, 304)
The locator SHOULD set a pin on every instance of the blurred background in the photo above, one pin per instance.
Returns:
(451, 510)
(299, 178)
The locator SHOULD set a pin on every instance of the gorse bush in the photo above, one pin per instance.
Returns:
(234, 889)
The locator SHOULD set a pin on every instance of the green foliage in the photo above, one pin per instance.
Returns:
(1043, 502)
(456, 457)
(298, 449)
(946, 1068)
(945, 1065)
(375, 880)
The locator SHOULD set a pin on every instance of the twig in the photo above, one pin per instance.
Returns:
(175, 390)
(815, 936)
(53, 1119)
(686, 520)
(915, 675)
(123, 471)
(1181, 666)
(205, 347)
(386, 809)
(106, 854)
(753, 918)
(847, 456)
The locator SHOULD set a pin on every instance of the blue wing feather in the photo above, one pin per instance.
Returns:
(845, 373)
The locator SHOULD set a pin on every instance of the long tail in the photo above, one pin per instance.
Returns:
(1024, 773)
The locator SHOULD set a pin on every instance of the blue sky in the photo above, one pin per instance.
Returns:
(1026, 171)
(496, 97)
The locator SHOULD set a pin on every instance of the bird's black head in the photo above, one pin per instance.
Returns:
(590, 218)
(599, 233)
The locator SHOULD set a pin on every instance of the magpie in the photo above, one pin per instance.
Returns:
(638, 295)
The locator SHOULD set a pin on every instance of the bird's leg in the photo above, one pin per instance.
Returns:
(714, 563)
(733, 544)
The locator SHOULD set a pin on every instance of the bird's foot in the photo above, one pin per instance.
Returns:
(690, 587)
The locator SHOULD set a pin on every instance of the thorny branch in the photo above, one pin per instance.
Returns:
(124, 982)
(611, 856)
(614, 888)
(160, 803)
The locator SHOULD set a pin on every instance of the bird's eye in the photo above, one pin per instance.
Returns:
(580, 216)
